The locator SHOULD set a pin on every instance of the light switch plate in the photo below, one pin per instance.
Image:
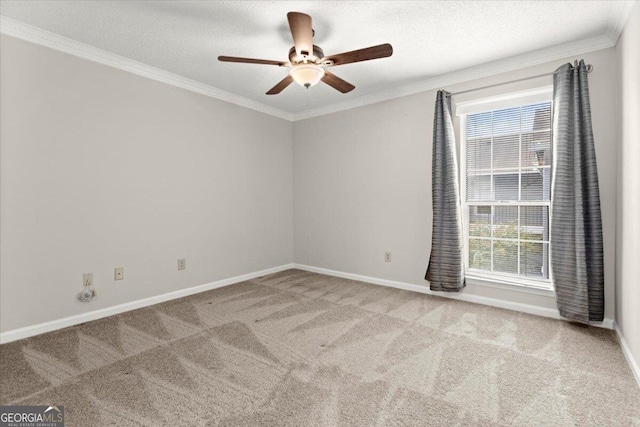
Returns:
(118, 273)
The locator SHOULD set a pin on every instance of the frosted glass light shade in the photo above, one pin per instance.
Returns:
(307, 74)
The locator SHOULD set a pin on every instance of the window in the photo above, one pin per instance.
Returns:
(506, 167)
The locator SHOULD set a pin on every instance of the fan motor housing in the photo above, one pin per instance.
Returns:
(317, 55)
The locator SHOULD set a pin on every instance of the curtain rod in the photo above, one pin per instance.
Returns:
(589, 69)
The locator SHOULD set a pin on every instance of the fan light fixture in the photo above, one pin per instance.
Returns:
(307, 62)
(307, 75)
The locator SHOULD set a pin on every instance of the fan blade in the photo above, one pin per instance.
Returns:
(300, 25)
(366, 54)
(337, 83)
(250, 60)
(281, 85)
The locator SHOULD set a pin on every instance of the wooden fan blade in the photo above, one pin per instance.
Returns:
(366, 54)
(250, 60)
(337, 83)
(281, 85)
(302, 32)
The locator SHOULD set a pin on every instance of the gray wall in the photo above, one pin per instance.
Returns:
(628, 206)
(101, 168)
(362, 181)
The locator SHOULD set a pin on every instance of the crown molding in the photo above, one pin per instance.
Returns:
(36, 35)
(620, 11)
(513, 63)
(617, 19)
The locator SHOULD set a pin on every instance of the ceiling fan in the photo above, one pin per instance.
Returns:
(307, 61)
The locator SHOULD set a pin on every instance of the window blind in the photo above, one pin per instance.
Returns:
(507, 190)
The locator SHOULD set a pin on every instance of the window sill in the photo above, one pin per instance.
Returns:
(496, 282)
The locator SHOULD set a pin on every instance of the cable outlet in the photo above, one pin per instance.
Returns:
(87, 279)
(387, 256)
(118, 273)
(182, 264)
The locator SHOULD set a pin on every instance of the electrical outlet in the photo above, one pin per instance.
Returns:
(387, 256)
(182, 264)
(118, 273)
(87, 279)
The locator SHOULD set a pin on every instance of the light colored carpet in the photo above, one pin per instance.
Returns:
(297, 348)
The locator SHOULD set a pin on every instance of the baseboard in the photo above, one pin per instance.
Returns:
(477, 299)
(633, 364)
(41, 328)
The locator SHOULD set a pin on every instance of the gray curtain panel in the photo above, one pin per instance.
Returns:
(576, 225)
(446, 269)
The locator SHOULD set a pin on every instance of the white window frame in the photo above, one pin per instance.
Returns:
(462, 109)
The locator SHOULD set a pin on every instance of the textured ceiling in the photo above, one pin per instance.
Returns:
(429, 38)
